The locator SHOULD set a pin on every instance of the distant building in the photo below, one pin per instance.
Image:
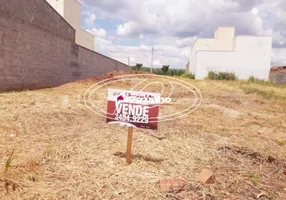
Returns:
(70, 10)
(278, 75)
(243, 55)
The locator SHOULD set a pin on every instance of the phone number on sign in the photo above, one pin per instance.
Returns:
(139, 119)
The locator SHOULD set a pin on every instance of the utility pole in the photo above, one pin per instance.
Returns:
(152, 59)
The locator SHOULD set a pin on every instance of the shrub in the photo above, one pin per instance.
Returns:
(221, 76)
(212, 76)
(158, 71)
(230, 77)
(188, 75)
(171, 72)
(175, 72)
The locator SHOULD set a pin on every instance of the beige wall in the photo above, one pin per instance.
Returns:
(70, 10)
(72, 13)
(58, 5)
(84, 39)
(224, 33)
(223, 40)
(124, 60)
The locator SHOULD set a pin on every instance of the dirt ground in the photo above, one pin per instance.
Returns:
(53, 147)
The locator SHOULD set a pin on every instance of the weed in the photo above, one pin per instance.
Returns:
(212, 76)
(8, 162)
(280, 142)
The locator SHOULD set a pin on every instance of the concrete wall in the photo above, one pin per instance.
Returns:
(279, 78)
(278, 75)
(70, 10)
(38, 49)
(251, 57)
(36, 14)
(89, 60)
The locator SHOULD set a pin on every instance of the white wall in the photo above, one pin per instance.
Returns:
(208, 45)
(223, 41)
(192, 61)
(224, 61)
(252, 57)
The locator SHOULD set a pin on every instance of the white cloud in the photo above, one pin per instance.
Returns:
(163, 55)
(90, 20)
(98, 33)
(129, 28)
(255, 11)
(279, 57)
(173, 26)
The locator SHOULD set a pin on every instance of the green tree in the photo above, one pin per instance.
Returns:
(165, 69)
(139, 66)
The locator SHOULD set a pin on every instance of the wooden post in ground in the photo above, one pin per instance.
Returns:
(129, 146)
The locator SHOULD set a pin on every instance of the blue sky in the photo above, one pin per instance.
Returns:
(129, 28)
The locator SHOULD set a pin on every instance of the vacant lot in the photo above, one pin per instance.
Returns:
(53, 147)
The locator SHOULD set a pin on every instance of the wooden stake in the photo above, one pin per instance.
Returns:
(129, 146)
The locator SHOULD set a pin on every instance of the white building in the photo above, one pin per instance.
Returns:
(70, 10)
(243, 55)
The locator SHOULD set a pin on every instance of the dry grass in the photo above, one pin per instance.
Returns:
(64, 151)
